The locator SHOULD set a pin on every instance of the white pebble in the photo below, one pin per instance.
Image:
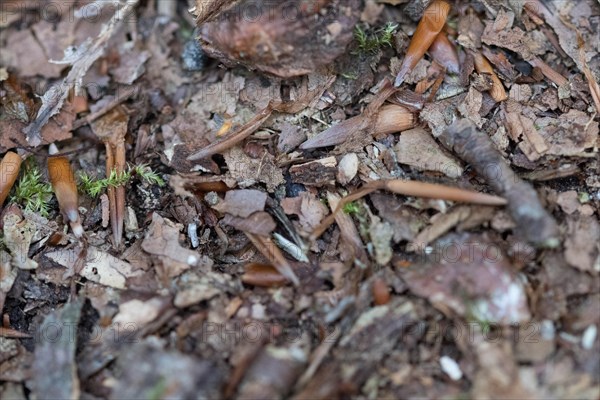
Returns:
(451, 368)
(192, 260)
(588, 337)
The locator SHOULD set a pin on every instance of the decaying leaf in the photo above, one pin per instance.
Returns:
(246, 171)
(162, 241)
(258, 223)
(99, 266)
(581, 246)
(418, 149)
(194, 287)
(18, 232)
(242, 203)
(307, 207)
(471, 276)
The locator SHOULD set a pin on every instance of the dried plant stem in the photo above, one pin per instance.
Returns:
(236, 137)
(121, 97)
(548, 72)
(116, 161)
(411, 188)
(331, 217)
(348, 231)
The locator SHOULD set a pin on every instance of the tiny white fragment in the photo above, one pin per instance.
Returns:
(451, 368)
(192, 260)
(589, 337)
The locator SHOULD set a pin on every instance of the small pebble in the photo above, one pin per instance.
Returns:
(589, 337)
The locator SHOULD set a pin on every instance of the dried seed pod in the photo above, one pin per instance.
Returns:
(429, 27)
(483, 66)
(262, 275)
(65, 188)
(9, 171)
(286, 39)
(393, 118)
(444, 53)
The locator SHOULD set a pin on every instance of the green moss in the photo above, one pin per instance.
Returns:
(93, 186)
(371, 42)
(31, 191)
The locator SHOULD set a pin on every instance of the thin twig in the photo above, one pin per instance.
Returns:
(129, 92)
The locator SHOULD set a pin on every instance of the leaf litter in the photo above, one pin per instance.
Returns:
(325, 233)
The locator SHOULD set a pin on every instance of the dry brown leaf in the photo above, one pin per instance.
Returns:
(471, 276)
(418, 149)
(162, 241)
(258, 223)
(99, 266)
(242, 203)
(18, 233)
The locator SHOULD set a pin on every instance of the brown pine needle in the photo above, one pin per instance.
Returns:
(412, 188)
(548, 72)
(12, 333)
(442, 192)
(236, 137)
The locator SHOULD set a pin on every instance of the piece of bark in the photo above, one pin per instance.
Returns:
(533, 222)
(315, 173)
(54, 368)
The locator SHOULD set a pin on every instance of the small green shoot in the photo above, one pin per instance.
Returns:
(370, 43)
(93, 186)
(351, 208)
(32, 192)
(147, 175)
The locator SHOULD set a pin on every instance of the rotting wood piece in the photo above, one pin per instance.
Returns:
(533, 221)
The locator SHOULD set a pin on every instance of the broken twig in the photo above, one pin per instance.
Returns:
(533, 221)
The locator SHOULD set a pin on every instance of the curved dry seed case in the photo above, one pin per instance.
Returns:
(483, 66)
(428, 29)
(9, 171)
(65, 188)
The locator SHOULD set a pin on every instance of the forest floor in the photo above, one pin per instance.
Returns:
(221, 275)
